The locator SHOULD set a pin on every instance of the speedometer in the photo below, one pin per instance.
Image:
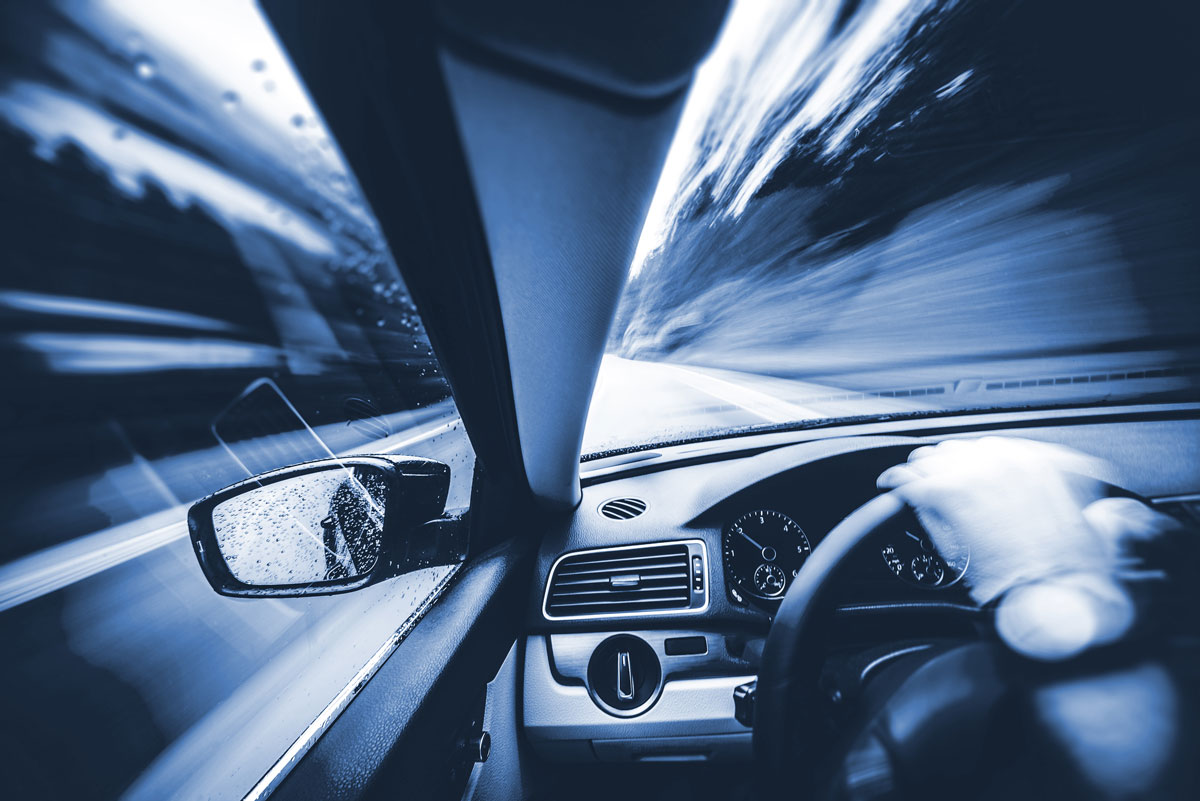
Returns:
(764, 551)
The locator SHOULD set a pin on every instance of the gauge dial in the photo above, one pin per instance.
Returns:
(927, 568)
(912, 558)
(770, 580)
(764, 551)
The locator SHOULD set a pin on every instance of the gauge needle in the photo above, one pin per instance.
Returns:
(752, 542)
(914, 536)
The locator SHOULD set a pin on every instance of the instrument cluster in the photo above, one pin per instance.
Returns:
(764, 551)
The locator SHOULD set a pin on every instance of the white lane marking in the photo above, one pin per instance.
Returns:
(50, 569)
(766, 406)
(441, 428)
(58, 566)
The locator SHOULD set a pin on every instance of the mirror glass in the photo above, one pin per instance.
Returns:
(317, 526)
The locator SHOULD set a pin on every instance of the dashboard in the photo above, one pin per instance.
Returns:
(652, 601)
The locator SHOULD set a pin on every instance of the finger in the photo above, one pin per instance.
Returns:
(897, 476)
(1120, 521)
(942, 448)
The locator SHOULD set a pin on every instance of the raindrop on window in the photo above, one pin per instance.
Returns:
(144, 67)
(268, 86)
(298, 120)
(120, 133)
(258, 65)
(230, 100)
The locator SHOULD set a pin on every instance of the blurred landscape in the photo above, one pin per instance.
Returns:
(877, 196)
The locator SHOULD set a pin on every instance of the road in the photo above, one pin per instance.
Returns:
(637, 402)
(640, 401)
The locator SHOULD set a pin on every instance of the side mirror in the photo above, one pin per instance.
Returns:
(323, 527)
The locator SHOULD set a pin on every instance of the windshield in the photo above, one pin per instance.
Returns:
(914, 206)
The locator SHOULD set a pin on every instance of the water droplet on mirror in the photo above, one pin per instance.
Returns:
(230, 100)
(144, 67)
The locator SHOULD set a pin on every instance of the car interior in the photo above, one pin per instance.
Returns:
(610, 629)
(721, 616)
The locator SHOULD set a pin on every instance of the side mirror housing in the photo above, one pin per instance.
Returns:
(323, 527)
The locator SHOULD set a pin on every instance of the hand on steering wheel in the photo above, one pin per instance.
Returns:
(1040, 531)
(1042, 540)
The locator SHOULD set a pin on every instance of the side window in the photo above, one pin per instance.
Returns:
(192, 292)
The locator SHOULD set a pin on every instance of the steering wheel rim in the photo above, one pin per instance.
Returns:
(788, 675)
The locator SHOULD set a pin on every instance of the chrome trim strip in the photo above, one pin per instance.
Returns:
(308, 738)
(655, 612)
(879, 662)
(1185, 498)
(685, 707)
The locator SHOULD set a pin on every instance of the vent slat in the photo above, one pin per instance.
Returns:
(653, 578)
(603, 580)
(648, 555)
(633, 591)
(638, 601)
(623, 508)
(642, 555)
(677, 564)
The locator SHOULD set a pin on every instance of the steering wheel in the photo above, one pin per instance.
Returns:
(940, 712)
(786, 695)
(942, 719)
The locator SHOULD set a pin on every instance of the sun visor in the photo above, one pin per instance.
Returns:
(631, 48)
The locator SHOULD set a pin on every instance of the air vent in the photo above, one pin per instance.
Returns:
(622, 508)
(662, 578)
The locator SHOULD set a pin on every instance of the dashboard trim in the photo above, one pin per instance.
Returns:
(695, 713)
(647, 613)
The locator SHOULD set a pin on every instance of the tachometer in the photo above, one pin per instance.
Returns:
(913, 559)
(764, 551)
